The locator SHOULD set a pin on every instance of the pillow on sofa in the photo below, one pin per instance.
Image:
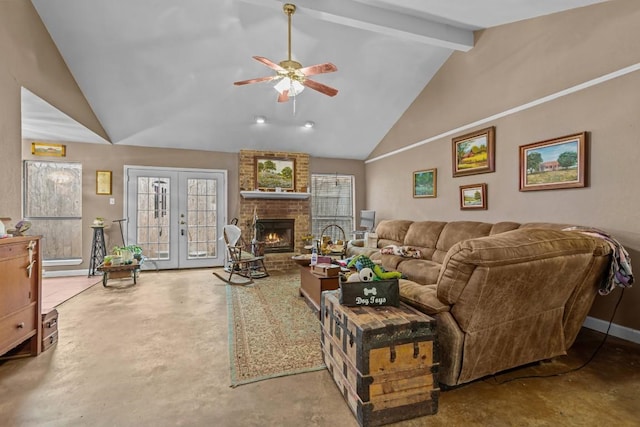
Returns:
(403, 251)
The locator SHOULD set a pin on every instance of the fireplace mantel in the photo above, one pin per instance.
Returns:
(274, 195)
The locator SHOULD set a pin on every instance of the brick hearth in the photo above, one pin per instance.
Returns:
(299, 210)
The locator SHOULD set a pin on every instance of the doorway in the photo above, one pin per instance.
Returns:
(176, 215)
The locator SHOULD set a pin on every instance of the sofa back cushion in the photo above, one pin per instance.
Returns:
(424, 235)
(458, 231)
(392, 231)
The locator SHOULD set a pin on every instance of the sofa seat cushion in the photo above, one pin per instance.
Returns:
(422, 271)
(390, 262)
(423, 297)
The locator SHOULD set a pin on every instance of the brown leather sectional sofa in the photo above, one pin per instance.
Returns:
(503, 294)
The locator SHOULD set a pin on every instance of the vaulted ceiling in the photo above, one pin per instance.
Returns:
(160, 73)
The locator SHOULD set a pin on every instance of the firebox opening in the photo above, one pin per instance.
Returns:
(277, 235)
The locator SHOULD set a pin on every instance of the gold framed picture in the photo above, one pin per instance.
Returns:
(555, 163)
(473, 153)
(275, 173)
(425, 183)
(473, 197)
(103, 182)
(48, 149)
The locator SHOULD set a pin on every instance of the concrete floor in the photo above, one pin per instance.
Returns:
(156, 354)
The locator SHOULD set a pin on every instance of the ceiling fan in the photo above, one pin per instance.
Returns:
(291, 75)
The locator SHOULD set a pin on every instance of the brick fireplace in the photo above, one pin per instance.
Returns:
(293, 205)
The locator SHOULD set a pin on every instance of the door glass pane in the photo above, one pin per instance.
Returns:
(201, 215)
(154, 217)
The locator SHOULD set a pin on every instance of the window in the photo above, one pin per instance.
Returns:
(332, 202)
(53, 204)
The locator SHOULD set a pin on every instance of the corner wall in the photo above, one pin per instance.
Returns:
(510, 66)
(30, 59)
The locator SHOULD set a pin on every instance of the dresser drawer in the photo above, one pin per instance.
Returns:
(17, 327)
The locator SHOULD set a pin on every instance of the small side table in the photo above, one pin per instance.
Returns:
(98, 249)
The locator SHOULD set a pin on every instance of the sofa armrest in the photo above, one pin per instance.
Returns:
(356, 242)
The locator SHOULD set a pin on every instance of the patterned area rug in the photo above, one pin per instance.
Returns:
(272, 331)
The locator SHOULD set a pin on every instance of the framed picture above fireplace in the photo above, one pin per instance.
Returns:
(275, 174)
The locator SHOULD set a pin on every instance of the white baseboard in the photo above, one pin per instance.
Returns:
(65, 273)
(617, 331)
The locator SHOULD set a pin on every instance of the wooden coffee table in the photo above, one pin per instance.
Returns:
(312, 285)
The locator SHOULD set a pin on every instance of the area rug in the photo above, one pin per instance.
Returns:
(272, 331)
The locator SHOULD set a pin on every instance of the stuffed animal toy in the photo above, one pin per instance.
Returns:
(366, 275)
(362, 261)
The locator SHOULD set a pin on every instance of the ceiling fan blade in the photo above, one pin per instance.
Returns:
(269, 63)
(257, 80)
(327, 90)
(284, 96)
(327, 67)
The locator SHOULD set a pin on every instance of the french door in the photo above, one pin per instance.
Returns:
(176, 215)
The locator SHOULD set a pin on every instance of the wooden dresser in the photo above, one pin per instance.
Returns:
(20, 296)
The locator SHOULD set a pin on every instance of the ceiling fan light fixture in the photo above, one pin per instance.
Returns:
(286, 84)
(292, 77)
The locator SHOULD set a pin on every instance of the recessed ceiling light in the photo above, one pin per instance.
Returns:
(261, 119)
(309, 124)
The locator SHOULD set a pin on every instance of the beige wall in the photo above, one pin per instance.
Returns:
(510, 66)
(95, 157)
(29, 59)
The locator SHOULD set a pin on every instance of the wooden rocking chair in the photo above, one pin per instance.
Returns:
(241, 260)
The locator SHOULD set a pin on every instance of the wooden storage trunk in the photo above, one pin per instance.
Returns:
(383, 360)
(50, 340)
(49, 328)
(374, 293)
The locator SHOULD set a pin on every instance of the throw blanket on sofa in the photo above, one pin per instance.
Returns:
(620, 273)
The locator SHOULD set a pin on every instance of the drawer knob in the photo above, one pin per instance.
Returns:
(20, 325)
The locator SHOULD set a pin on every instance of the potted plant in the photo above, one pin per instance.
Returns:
(128, 253)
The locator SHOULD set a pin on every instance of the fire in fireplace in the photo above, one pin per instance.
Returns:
(277, 235)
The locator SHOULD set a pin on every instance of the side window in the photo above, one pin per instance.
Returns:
(332, 202)
(52, 196)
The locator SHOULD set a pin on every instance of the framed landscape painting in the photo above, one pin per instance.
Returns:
(474, 153)
(473, 196)
(274, 173)
(103, 182)
(48, 149)
(555, 163)
(425, 183)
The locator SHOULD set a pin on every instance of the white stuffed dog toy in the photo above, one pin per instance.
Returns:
(366, 275)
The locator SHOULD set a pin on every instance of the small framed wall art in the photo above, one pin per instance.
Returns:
(103, 182)
(474, 152)
(425, 183)
(473, 196)
(48, 149)
(555, 163)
